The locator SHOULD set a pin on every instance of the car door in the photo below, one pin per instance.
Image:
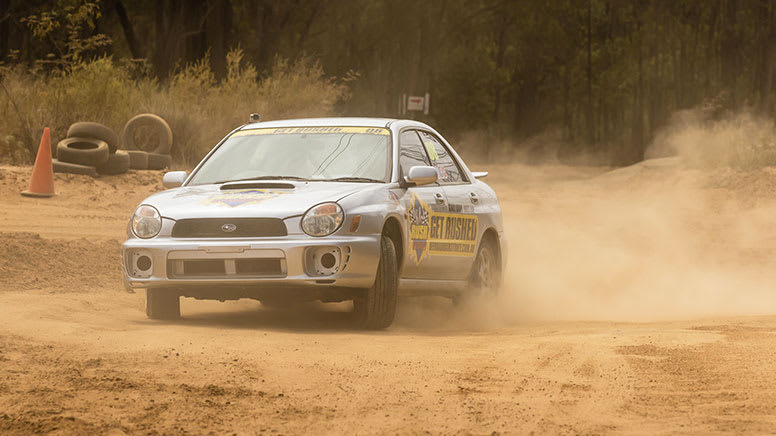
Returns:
(455, 233)
(422, 203)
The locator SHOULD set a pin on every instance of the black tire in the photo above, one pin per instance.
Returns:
(162, 304)
(376, 308)
(138, 160)
(118, 163)
(147, 132)
(83, 151)
(88, 129)
(159, 161)
(71, 168)
(485, 278)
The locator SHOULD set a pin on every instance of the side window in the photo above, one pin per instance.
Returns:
(448, 169)
(411, 152)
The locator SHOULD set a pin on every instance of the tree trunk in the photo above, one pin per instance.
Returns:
(730, 50)
(5, 24)
(218, 25)
(637, 137)
(161, 57)
(769, 46)
(129, 32)
(589, 108)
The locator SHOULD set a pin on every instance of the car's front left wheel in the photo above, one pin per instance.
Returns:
(376, 307)
(162, 304)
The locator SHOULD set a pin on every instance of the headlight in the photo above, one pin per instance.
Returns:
(323, 219)
(146, 222)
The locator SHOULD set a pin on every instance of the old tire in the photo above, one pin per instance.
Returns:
(83, 151)
(162, 304)
(118, 163)
(71, 168)
(138, 160)
(87, 129)
(147, 132)
(376, 308)
(159, 161)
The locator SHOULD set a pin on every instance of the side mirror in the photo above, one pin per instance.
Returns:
(422, 175)
(173, 179)
(480, 174)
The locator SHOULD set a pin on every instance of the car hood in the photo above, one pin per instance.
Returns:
(272, 200)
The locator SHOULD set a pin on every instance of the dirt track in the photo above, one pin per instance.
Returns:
(637, 302)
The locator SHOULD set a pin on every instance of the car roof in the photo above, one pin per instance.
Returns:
(321, 122)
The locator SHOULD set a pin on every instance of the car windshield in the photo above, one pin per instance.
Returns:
(303, 153)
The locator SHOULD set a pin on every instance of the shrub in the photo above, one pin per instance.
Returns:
(199, 109)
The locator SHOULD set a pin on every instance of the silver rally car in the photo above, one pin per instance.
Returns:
(328, 209)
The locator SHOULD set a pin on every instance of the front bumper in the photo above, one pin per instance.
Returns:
(174, 262)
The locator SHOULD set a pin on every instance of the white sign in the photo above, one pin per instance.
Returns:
(414, 103)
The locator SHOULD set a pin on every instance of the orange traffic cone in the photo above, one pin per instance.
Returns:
(42, 180)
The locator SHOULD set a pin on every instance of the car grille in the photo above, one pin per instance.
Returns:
(224, 268)
(215, 228)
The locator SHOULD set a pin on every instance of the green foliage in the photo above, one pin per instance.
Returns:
(199, 109)
(67, 26)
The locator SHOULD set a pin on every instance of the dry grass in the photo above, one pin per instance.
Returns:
(199, 109)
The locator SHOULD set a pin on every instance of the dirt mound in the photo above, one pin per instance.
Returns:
(28, 261)
(758, 183)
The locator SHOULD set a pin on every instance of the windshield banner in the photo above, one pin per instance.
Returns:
(313, 130)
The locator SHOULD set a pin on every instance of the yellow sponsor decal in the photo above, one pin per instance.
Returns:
(440, 233)
(311, 130)
(432, 153)
(452, 234)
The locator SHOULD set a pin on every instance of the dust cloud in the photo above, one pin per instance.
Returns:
(638, 253)
(704, 137)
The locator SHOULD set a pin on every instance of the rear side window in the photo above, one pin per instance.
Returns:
(447, 168)
(411, 152)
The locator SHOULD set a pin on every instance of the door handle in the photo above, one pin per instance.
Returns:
(474, 198)
(440, 199)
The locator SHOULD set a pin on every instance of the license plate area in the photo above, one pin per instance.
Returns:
(226, 262)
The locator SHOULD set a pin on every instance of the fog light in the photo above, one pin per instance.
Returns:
(328, 260)
(140, 264)
(143, 263)
(322, 261)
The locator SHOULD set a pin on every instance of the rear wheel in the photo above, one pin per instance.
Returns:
(485, 278)
(376, 308)
(162, 304)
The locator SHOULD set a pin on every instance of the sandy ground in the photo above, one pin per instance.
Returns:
(637, 301)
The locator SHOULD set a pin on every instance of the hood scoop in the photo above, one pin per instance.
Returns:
(256, 185)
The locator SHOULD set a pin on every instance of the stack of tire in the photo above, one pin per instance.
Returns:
(90, 148)
(147, 139)
(93, 148)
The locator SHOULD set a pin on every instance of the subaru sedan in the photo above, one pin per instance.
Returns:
(329, 209)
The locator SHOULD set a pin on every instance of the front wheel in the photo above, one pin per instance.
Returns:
(376, 308)
(162, 304)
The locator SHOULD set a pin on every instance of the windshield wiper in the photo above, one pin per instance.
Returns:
(249, 179)
(349, 179)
